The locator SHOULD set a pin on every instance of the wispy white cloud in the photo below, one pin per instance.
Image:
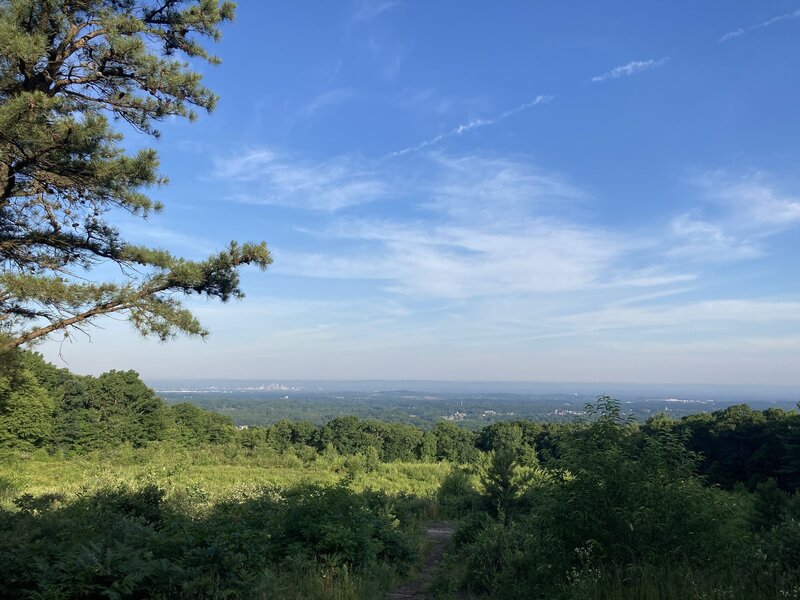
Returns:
(470, 125)
(494, 190)
(387, 57)
(325, 100)
(493, 227)
(752, 200)
(426, 100)
(698, 240)
(480, 227)
(367, 10)
(740, 31)
(635, 66)
(262, 176)
(466, 262)
(649, 277)
(641, 298)
(506, 249)
(710, 313)
(745, 210)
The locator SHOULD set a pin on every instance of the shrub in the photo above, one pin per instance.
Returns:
(136, 543)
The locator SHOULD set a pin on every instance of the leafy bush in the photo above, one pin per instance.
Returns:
(137, 543)
(457, 495)
(620, 510)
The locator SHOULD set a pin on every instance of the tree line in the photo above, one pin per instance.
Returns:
(706, 506)
(49, 408)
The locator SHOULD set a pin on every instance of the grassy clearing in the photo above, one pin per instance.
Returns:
(204, 476)
(216, 523)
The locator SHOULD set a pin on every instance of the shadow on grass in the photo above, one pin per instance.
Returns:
(310, 541)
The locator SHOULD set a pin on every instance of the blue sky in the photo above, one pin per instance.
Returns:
(572, 191)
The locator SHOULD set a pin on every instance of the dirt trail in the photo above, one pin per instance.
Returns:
(438, 534)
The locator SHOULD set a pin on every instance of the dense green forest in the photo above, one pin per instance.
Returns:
(108, 491)
(420, 409)
(424, 409)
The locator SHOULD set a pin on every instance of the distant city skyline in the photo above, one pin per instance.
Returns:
(461, 191)
(672, 393)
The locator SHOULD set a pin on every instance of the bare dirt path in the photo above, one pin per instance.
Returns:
(438, 533)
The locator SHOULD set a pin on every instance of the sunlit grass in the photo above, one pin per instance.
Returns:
(206, 475)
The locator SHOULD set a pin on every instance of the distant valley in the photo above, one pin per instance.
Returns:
(471, 405)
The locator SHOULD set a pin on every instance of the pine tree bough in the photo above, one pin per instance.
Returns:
(66, 67)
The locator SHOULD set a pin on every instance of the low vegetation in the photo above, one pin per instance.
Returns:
(622, 512)
(108, 492)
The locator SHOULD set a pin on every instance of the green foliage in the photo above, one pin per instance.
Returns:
(520, 438)
(635, 496)
(779, 556)
(739, 444)
(504, 482)
(66, 67)
(301, 436)
(622, 514)
(769, 505)
(134, 543)
(194, 426)
(401, 442)
(128, 411)
(141, 499)
(453, 443)
(26, 408)
(112, 409)
(348, 435)
(457, 495)
(46, 407)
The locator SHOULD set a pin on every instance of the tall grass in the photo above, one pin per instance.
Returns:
(205, 474)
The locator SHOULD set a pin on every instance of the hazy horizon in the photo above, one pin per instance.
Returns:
(519, 191)
(712, 391)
